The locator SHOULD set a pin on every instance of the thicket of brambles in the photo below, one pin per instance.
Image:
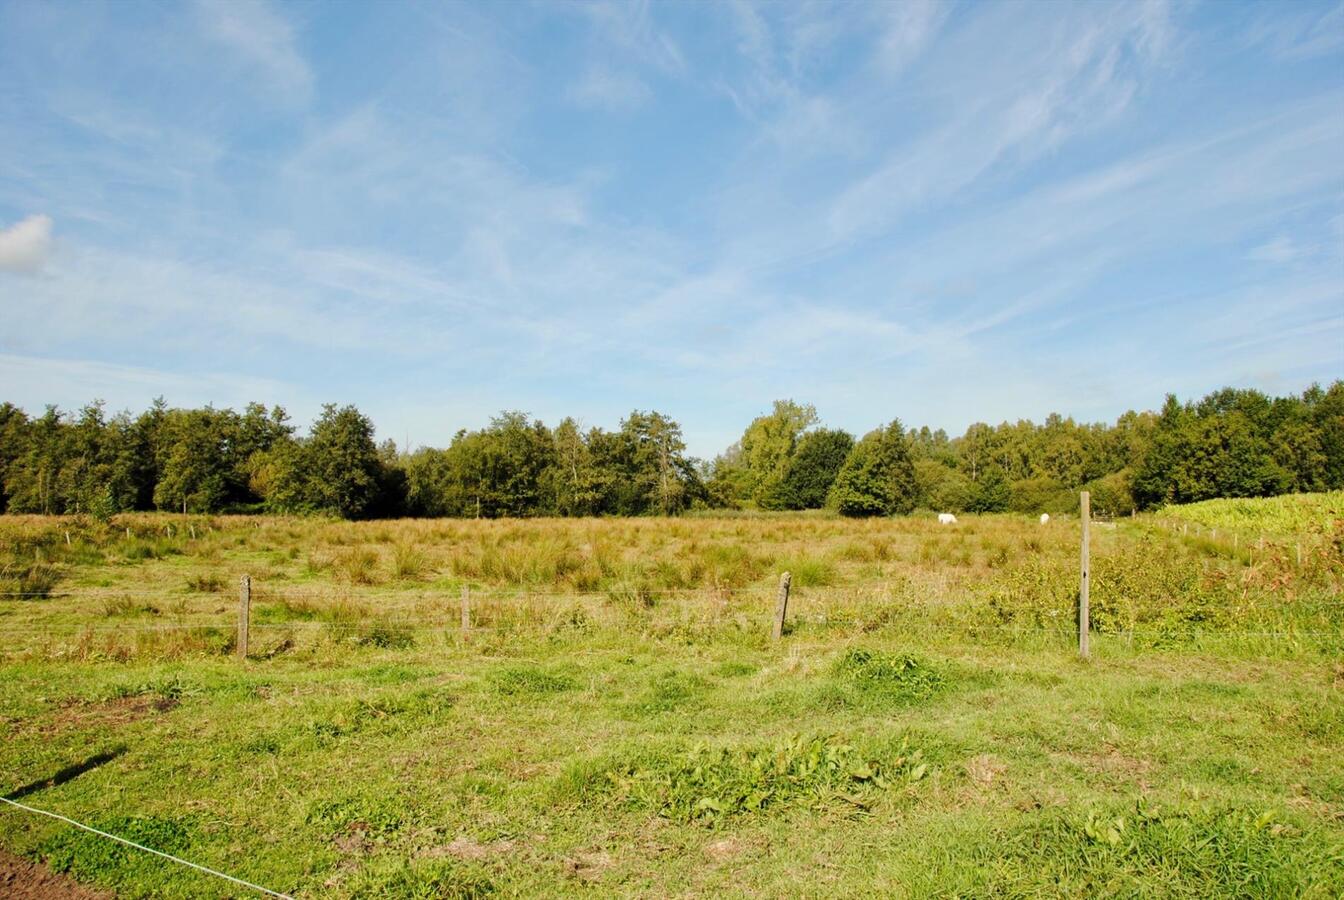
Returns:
(1232, 443)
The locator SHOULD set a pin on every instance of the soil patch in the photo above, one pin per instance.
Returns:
(24, 880)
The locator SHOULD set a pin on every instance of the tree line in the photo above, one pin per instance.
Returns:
(1231, 443)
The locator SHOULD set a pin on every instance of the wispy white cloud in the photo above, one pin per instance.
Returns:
(33, 381)
(1298, 30)
(630, 26)
(944, 206)
(263, 39)
(603, 88)
(25, 245)
(1009, 112)
(907, 29)
(1281, 249)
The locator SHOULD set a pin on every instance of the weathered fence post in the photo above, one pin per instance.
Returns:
(244, 613)
(466, 609)
(1084, 614)
(782, 606)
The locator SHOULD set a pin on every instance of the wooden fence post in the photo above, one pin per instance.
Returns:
(1084, 614)
(466, 609)
(782, 606)
(244, 613)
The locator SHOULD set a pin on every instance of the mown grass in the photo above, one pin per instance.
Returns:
(924, 729)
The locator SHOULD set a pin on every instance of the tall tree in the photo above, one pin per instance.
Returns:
(768, 444)
(342, 461)
(194, 470)
(811, 470)
(878, 478)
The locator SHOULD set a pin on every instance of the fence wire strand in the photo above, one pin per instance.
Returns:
(121, 840)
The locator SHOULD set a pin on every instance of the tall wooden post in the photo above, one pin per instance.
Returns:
(244, 613)
(782, 605)
(1084, 614)
(466, 609)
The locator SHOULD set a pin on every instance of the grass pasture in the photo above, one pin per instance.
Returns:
(618, 722)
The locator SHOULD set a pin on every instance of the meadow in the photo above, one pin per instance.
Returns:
(618, 721)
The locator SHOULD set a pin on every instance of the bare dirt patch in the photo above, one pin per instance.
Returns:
(984, 769)
(465, 848)
(24, 880)
(588, 865)
(79, 716)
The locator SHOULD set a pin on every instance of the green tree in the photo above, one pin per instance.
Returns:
(992, 492)
(576, 485)
(343, 468)
(768, 444)
(811, 470)
(878, 477)
(194, 468)
(13, 444)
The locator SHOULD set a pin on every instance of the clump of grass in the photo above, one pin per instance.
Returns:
(375, 816)
(888, 677)
(529, 680)
(423, 878)
(808, 571)
(205, 584)
(668, 691)
(89, 857)
(1118, 850)
(27, 581)
(125, 606)
(408, 563)
(357, 566)
(388, 636)
(708, 785)
(734, 669)
(150, 548)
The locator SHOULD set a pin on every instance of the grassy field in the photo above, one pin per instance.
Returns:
(619, 722)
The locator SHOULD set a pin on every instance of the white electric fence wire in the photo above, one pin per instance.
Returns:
(120, 840)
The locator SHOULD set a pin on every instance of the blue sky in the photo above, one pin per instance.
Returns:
(943, 212)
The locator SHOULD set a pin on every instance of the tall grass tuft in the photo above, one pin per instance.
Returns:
(408, 563)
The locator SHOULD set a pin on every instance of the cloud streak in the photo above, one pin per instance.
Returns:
(962, 210)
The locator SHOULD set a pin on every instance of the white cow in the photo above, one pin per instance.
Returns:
(1045, 517)
(946, 519)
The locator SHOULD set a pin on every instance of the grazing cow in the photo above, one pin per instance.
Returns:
(1045, 517)
(946, 519)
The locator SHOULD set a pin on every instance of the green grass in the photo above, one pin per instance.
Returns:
(1290, 514)
(924, 729)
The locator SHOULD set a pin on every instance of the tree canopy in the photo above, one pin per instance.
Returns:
(1231, 443)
